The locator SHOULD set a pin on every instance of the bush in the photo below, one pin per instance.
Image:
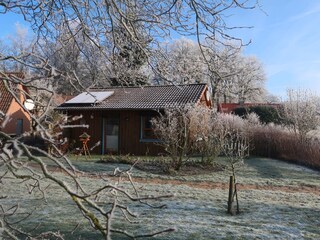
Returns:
(37, 142)
(301, 112)
(186, 131)
(197, 130)
(172, 128)
(277, 142)
(267, 114)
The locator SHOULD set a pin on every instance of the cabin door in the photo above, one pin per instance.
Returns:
(19, 127)
(112, 135)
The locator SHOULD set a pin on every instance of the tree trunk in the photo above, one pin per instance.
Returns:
(231, 190)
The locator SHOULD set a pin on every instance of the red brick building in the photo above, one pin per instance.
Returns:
(14, 120)
(230, 107)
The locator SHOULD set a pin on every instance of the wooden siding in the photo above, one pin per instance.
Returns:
(93, 121)
(129, 132)
(129, 141)
(204, 100)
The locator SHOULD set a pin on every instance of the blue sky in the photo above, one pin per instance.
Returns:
(285, 38)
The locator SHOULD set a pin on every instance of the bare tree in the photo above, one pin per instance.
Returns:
(301, 112)
(235, 146)
(17, 44)
(237, 78)
(3, 52)
(248, 84)
(270, 98)
(84, 34)
(172, 128)
(222, 67)
(97, 22)
(129, 58)
(181, 63)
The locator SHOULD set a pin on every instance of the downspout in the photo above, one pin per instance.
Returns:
(102, 134)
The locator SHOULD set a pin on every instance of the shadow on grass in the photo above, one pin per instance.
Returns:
(266, 169)
(195, 219)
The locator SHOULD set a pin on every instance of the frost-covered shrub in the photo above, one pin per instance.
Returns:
(202, 135)
(172, 128)
(210, 131)
(277, 141)
(253, 119)
(230, 121)
(198, 130)
(301, 112)
(236, 137)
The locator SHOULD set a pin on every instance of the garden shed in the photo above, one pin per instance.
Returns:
(119, 117)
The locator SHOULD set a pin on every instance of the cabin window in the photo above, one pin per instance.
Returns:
(147, 132)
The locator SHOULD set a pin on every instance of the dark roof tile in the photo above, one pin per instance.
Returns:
(148, 97)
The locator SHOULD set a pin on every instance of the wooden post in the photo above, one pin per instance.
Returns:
(231, 190)
(236, 193)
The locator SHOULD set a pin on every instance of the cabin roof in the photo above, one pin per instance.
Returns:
(147, 97)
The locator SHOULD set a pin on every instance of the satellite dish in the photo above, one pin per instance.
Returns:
(29, 104)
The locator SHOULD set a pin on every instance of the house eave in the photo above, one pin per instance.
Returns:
(110, 109)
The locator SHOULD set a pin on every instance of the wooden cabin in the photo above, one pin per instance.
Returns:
(14, 120)
(119, 118)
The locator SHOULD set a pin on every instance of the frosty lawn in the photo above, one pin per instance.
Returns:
(277, 201)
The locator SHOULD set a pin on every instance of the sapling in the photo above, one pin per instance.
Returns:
(235, 146)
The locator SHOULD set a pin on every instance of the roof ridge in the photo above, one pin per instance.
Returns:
(148, 86)
(16, 74)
